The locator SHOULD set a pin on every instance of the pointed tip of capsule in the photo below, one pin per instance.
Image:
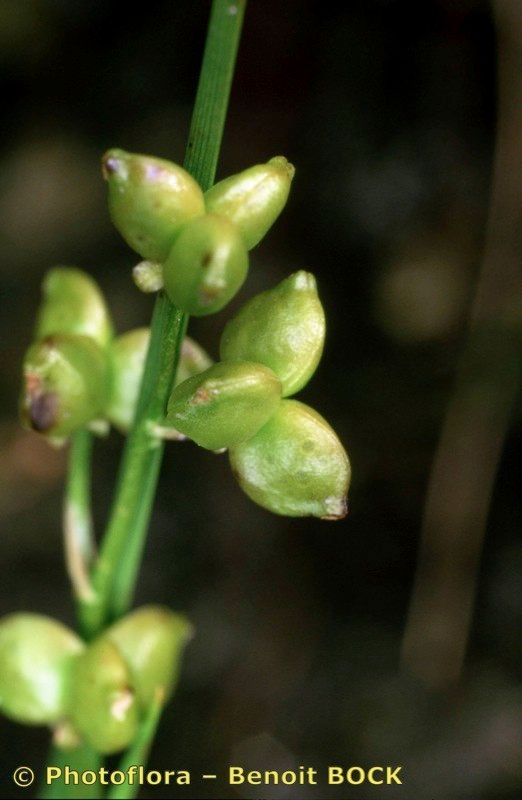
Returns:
(302, 281)
(113, 161)
(336, 509)
(284, 165)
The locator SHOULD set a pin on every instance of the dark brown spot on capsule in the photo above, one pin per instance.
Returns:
(50, 341)
(201, 396)
(205, 261)
(208, 293)
(43, 411)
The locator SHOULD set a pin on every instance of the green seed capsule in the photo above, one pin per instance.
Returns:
(283, 328)
(65, 384)
(151, 640)
(206, 266)
(224, 405)
(36, 655)
(253, 199)
(295, 465)
(193, 360)
(127, 356)
(103, 706)
(73, 303)
(149, 200)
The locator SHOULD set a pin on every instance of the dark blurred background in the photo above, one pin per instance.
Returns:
(388, 110)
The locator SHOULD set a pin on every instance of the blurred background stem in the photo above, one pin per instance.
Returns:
(478, 415)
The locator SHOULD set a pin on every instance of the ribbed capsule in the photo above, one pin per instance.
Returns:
(254, 198)
(149, 200)
(224, 405)
(283, 328)
(73, 303)
(295, 465)
(207, 265)
(103, 705)
(127, 355)
(36, 656)
(151, 640)
(65, 384)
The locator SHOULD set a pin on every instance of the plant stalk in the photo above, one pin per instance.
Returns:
(115, 573)
(79, 545)
(110, 591)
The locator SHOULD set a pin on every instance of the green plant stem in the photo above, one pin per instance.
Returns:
(77, 518)
(115, 573)
(78, 758)
(138, 752)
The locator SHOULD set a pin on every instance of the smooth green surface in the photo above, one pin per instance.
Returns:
(127, 356)
(254, 198)
(78, 491)
(213, 92)
(103, 706)
(79, 544)
(193, 360)
(151, 640)
(128, 353)
(295, 465)
(72, 302)
(224, 405)
(65, 384)
(207, 265)
(283, 328)
(138, 752)
(116, 572)
(79, 758)
(149, 200)
(36, 653)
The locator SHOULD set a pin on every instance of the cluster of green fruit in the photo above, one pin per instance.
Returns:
(283, 453)
(96, 693)
(195, 244)
(76, 372)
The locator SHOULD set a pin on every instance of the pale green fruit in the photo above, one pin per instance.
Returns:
(254, 198)
(149, 200)
(127, 356)
(151, 640)
(206, 267)
(224, 405)
(66, 382)
(295, 465)
(73, 303)
(103, 706)
(283, 328)
(128, 353)
(36, 655)
(193, 360)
